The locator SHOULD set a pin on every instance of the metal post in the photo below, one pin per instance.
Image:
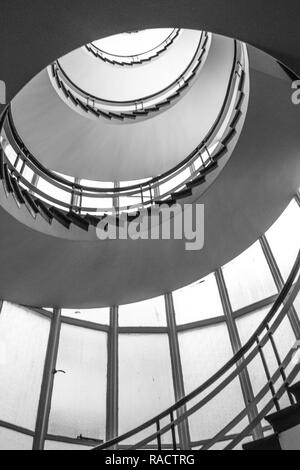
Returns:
(278, 279)
(236, 346)
(183, 428)
(34, 182)
(48, 382)
(112, 400)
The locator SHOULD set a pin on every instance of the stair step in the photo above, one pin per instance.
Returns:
(285, 419)
(60, 217)
(209, 169)
(167, 202)
(182, 194)
(295, 390)
(236, 118)
(268, 443)
(196, 182)
(30, 203)
(240, 100)
(220, 154)
(17, 192)
(93, 219)
(242, 81)
(79, 221)
(7, 181)
(229, 136)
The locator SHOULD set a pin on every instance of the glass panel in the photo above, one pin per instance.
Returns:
(61, 446)
(200, 301)
(248, 278)
(79, 396)
(145, 375)
(96, 315)
(149, 313)
(23, 345)
(203, 352)
(12, 440)
(53, 191)
(284, 238)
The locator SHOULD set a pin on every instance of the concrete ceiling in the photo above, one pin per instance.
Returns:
(65, 141)
(35, 32)
(249, 195)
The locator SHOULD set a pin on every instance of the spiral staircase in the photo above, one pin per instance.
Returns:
(242, 169)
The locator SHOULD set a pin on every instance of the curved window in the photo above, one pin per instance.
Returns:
(284, 238)
(248, 278)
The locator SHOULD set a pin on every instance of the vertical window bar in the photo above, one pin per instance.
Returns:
(236, 346)
(47, 383)
(112, 398)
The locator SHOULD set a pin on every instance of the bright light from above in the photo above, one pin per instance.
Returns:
(135, 43)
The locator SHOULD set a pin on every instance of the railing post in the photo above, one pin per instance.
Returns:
(34, 182)
(236, 346)
(47, 383)
(112, 415)
(278, 279)
(183, 428)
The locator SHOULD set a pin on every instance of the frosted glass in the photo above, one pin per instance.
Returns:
(284, 238)
(203, 353)
(23, 345)
(200, 301)
(63, 446)
(145, 379)
(79, 396)
(248, 278)
(12, 440)
(97, 315)
(149, 313)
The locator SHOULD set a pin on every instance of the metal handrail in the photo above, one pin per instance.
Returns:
(287, 297)
(116, 59)
(140, 189)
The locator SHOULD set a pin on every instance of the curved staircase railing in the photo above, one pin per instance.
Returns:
(122, 110)
(137, 59)
(277, 384)
(168, 188)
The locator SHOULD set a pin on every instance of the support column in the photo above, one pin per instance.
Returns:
(48, 382)
(236, 346)
(112, 400)
(183, 428)
(278, 279)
